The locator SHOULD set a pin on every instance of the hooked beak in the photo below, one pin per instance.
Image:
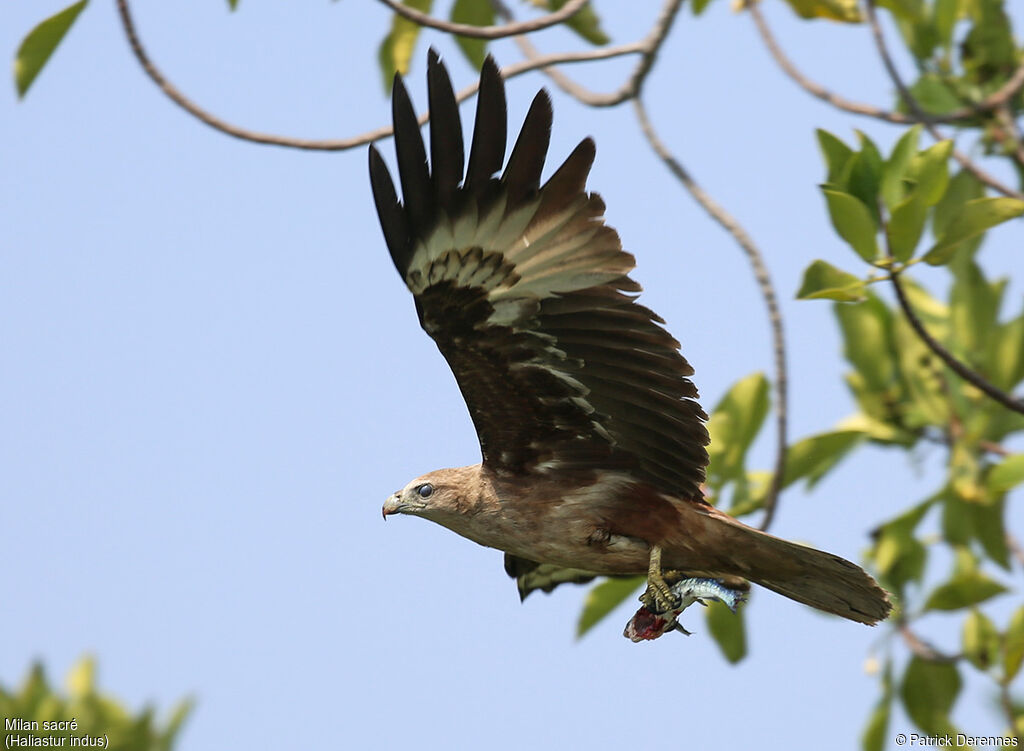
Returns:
(395, 505)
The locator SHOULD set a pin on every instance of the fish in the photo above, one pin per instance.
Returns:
(646, 625)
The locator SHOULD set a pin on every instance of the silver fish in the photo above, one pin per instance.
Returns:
(646, 625)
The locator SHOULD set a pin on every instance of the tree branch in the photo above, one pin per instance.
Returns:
(923, 649)
(340, 144)
(915, 107)
(991, 103)
(944, 354)
(650, 44)
(1006, 702)
(487, 32)
(764, 282)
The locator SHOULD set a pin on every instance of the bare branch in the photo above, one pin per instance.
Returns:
(564, 13)
(1009, 134)
(1015, 548)
(340, 144)
(1009, 711)
(944, 354)
(923, 649)
(631, 88)
(915, 107)
(764, 282)
(992, 103)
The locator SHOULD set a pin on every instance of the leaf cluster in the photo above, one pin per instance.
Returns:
(41, 706)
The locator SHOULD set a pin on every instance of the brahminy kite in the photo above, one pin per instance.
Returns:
(593, 443)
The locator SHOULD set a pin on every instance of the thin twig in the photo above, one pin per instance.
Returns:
(915, 108)
(564, 13)
(340, 144)
(1006, 702)
(764, 282)
(651, 45)
(991, 103)
(1015, 548)
(923, 649)
(944, 354)
(1008, 126)
(993, 448)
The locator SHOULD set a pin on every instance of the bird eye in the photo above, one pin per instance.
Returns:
(425, 490)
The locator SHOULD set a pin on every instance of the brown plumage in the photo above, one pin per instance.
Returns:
(593, 443)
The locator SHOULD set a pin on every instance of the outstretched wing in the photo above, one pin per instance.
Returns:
(525, 291)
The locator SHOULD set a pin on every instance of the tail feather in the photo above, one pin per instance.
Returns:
(812, 577)
(826, 582)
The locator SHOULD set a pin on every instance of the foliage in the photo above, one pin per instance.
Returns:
(40, 43)
(83, 713)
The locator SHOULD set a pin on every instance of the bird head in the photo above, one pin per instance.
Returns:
(438, 496)
(427, 493)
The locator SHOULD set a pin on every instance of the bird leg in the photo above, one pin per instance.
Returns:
(658, 597)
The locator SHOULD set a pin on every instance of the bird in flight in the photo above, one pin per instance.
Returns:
(593, 443)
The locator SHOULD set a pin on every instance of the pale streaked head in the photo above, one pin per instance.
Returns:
(437, 495)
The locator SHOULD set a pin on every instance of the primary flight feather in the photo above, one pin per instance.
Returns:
(593, 444)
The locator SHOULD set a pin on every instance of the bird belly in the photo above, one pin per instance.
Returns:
(566, 534)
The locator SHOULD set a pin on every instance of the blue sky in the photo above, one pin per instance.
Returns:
(213, 377)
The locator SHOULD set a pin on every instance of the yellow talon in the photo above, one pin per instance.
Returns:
(658, 596)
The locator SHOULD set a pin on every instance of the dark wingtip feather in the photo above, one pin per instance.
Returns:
(570, 179)
(412, 159)
(392, 217)
(490, 129)
(446, 150)
(522, 175)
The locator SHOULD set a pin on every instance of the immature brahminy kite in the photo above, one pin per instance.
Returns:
(593, 443)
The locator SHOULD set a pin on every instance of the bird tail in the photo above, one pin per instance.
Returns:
(812, 577)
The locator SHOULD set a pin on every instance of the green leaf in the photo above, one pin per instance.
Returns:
(603, 598)
(1006, 358)
(963, 187)
(898, 555)
(930, 171)
(905, 227)
(944, 17)
(962, 591)
(892, 187)
(81, 679)
(814, 456)
(956, 520)
(853, 221)
(868, 340)
(39, 44)
(698, 6)
(823, 281)
(1013, 646)
(585, 22)
(904, 10)
(1007, 474)
(728, 631)
(397, 47)
(233, 4)
(734, 424)
(863, 175)
(980, 640)
(929, 403)
(974, 218)
(987, 520)
(932, 94)
(973, 308)
(989, 49)
(836, 154)
(834, 10)
(929, 691)
(476, 13)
